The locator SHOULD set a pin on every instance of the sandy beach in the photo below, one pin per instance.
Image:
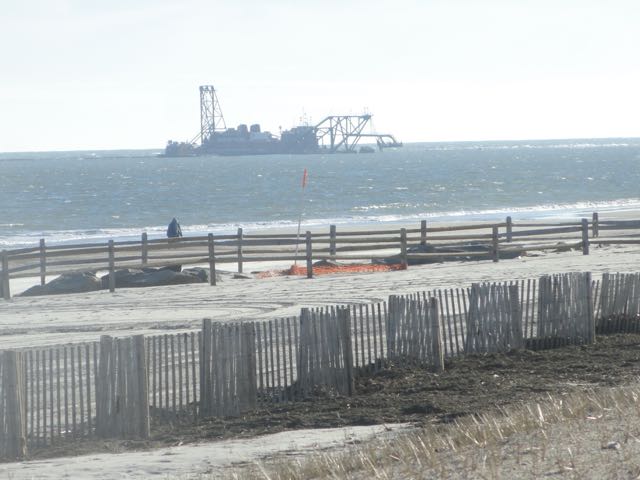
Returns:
(195, 459)
(51, 320)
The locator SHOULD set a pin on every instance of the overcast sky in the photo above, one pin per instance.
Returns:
(93, 74)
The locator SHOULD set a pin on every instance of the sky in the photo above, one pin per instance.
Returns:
(124, 74)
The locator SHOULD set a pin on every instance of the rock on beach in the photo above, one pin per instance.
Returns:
(125, 278)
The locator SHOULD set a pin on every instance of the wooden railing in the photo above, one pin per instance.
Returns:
(491, 241)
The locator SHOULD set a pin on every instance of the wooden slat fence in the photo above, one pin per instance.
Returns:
(13, 408)
(454, 311)
(565, 309)
(228, 368)
(325, 355)
(368, 335)
(452, 306)
(122, 408)
(619, 303)
(60, 392)
(413, 332)
(494, 320)
(277, 343)
(173, 362)
(123, 387)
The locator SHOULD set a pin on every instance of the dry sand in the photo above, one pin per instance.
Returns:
(31, 321)
(193, 460)
(39, 321)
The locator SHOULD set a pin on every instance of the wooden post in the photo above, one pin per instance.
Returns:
(309, 256)
(123, 375)
(130, 422)
(495, 245)
(303, 366)
(194, 340)
(6, 292)
(332, 241)
(144, 249)
(591, 318)
(104, 388)
(252, 380)
(43, 262)
(212, 261)
(403, 248)
(423, 232)
(436, 344)
(391, 323)
(585, 236)
(595, 225)
(471, 340)
(509, 229)
(515, 307)
(206, 387)
(14, 391)
(88, 386)
(142, 390)
(112, 268)
(345, 319)
(240, 250)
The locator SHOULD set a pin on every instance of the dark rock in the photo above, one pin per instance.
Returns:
(463, 251)
(563, 247)
(201, 273)
(326, 263)
(242, 276)
(121, 276)
(66, 283)
(153, 277)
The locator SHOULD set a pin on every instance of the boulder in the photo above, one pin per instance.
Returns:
(201, 273)
(242, 276)
(326, 263)
(154, 277)
(462, 252)
(66, 283)
(563, 247)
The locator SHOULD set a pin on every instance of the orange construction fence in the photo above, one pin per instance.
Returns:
(331, 269)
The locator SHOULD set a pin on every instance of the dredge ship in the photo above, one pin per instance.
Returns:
(336, 133)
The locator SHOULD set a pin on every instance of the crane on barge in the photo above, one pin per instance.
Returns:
(334, 134)
(343, 133)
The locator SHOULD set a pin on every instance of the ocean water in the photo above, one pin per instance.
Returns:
(92, 196)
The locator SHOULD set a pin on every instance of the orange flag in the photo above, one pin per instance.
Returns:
(304, 178)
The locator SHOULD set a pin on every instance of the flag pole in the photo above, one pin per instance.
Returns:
(304, 184)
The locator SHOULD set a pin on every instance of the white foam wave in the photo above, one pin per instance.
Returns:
(529, 146)
(569, 210)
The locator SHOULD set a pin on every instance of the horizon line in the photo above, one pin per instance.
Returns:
(125, 149)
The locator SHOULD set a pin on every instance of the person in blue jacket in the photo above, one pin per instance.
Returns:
(173, 230)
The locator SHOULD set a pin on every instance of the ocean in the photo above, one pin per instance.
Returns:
(79, 197)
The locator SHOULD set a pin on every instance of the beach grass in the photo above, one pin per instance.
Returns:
(589, 434)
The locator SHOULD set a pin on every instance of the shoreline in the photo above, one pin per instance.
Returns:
(605, 210)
